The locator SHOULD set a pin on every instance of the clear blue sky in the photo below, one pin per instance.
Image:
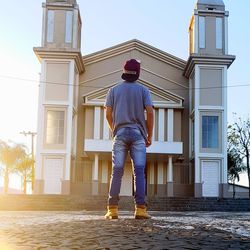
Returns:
(160, 23)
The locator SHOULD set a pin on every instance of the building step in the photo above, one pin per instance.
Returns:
(67, 203)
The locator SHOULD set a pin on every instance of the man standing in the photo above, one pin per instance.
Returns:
(125, 113)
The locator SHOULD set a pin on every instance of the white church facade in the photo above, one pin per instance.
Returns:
(188, 156)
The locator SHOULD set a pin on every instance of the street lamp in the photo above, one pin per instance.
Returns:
(32, 134)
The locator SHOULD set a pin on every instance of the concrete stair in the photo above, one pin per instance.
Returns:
(71, 203)
(38, 202)
(198, 204)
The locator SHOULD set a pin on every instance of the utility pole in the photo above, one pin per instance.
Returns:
(32, 134)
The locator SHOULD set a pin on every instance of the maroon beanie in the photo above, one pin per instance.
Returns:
(131, 70)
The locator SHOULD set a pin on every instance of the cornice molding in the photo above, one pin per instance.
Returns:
(168, 99)
(208, 60)
(60, 5)
(45, 53)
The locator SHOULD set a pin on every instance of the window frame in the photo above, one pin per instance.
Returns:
(50, 26)
(220, 116)
(219, 33)
(59, 134)
(68, 26)
(202, 32)
(212, 131)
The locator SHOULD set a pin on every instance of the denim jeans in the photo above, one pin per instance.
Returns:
(128, 140)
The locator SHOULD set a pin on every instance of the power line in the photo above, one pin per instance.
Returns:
(102, 87)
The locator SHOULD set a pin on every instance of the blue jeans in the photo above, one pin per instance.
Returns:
(128, 140)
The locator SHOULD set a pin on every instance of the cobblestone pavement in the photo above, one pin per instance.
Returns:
(89, 230)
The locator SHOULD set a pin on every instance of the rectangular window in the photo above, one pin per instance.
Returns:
(68, 26)
(218, 33)
(202, 31)
(55, 127)
(210, 131)
(50, 26)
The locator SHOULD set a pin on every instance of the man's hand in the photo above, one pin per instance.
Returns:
(148, 141)
(109, 117)
(150, 124)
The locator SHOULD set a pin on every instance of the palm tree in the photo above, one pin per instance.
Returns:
(235, 167)
(24, 168)
(10, 154)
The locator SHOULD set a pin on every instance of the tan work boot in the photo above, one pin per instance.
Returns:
(141, 212)
(112, 212)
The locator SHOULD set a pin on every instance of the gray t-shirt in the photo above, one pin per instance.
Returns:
(128, 101)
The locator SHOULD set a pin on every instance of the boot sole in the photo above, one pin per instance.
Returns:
(138, 217)
(111, 217)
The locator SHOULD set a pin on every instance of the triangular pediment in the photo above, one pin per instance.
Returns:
(137, 46)
(160, 97)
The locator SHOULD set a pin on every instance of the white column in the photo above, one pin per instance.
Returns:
(160, 173)
(224, 128)
(151, 173)
(170, 170)
(197, 125)
(153, 134)
(40, 122)
(105, 127)
(161, 122)
(75, 119)
(105, 172)
(170, 125)
(95, 168)
(69, 118)
(190, 121)
(197, 130)
(97, 121)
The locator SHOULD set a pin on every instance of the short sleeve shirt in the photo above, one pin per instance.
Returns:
(128, 101)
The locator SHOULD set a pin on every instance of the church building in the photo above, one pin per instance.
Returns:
(188, 156)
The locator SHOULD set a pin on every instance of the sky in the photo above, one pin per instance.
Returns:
(160, 23)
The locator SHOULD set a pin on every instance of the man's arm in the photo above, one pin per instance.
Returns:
(150, 124)
(109, 117)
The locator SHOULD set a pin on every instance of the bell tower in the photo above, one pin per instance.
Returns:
(61, 64)
(208, 29)
(61, 24)
(207, 72)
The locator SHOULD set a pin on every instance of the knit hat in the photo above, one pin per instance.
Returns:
(131, 70)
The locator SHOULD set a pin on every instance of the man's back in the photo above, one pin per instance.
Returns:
(128, 101)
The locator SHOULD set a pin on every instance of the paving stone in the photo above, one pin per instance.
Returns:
(89, 230)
